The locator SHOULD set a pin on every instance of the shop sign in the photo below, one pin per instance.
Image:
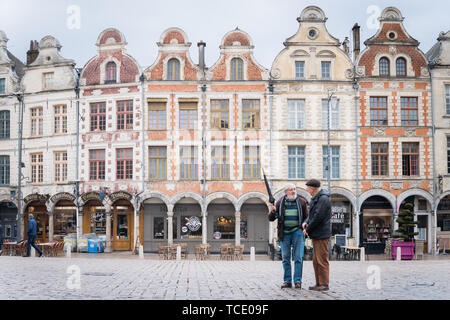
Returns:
(120, 195)
(193, 224)
(62, 196)
(35, 197)
(338, 214)
(217, 235)
(91, 196)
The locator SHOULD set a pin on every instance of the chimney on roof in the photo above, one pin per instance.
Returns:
(201, 55)
(33, 53)
(356, 41)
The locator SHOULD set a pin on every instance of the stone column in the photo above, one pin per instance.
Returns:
(204, 227)
(237, 228)
(51, 229)
(21, 233)
(80, 221)
(108, 229)
(170, 224)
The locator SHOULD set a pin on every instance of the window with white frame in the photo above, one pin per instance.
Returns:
(4, 170)
(61, 119)
(61, 166)
(188, 163)
(296, 114)
(296, 162)
(334, 115)
(299, 69)
(326, 70)
(4, 124)
(447, 99)
(37, 168)
(335, 160)
(2, 86)
(252, 162)
(37, 121)
(48, 80)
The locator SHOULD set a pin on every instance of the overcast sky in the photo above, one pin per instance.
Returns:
(268, 22)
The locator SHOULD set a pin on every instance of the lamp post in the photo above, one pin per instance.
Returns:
(331, 100)
(20, 165)
(77, 151)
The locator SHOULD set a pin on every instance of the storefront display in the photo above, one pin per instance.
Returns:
(64, 220)
(191, 227)
(377, 226)
(224, 228)
(341, 216)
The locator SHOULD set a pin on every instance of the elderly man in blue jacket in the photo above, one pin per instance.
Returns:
(31, 231)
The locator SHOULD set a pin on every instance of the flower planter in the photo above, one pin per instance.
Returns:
(407, 249)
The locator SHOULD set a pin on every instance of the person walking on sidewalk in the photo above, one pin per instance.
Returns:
(31, 231)
(291, 211)
(318, 227)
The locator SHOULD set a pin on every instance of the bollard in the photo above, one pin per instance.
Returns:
(399, 254)
(252, 254)
(362, 254)
(178, 253)
(68, 249)
(33, 252)
(141, 252)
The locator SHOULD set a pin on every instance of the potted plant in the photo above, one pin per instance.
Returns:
(405, 233)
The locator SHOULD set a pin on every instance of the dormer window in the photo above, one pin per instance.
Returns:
(237, 69)
(384, 67)
(173, 69)
(48, 80)
(401, 67)
(111, 73)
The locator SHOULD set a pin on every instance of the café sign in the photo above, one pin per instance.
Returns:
(62, 196)
(338, 214)
(120, 195)
(91, 196)
(35, 197)
(194, 223)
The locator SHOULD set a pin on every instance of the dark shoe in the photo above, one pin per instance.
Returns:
(298, 285)
(40, 254)
(25, 256)
(286, 285)
(314, 287)
(323, 288)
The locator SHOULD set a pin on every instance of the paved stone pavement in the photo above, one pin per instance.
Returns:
(119, 277)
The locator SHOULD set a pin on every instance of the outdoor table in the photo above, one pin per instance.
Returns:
(47, 245)
(10, 246)
(354, 252)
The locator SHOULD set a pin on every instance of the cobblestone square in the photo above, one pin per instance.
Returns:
(128, 277)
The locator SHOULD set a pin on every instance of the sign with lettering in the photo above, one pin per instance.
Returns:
(91, 196)
(338, 214)
(194, 223)
(62, 196)
(120, 195)
(35, 197)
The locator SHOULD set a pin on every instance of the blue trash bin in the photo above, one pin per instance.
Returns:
(92, 245)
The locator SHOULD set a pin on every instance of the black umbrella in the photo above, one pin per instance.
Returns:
(271, 198)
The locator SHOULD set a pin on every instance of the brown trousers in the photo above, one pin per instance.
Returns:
(320, 262)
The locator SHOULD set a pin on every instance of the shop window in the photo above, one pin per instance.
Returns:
(157, 115)
(378, 111)
(122, 227)
(125, 115)
(224, 228)
(237, 69)
(4, 124)
(251, 114)
(341, 211)
(377, 226)
(158, 228)
(191, 227)
(219, 114)
(422, 204)
(64, 221)
(98, 116)
(410, 158)
(244, 228)
(296, 114)
(443, 222)
(98, 220)
(409, 111)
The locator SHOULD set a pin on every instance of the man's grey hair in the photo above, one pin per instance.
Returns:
(30, 215)
(288, 186)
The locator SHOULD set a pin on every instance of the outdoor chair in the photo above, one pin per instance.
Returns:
(238, 251)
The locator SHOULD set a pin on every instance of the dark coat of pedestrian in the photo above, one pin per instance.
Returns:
(31, 232)
(318, 228)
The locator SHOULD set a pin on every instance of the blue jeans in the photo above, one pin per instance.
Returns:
(30, 243)
(296, 241)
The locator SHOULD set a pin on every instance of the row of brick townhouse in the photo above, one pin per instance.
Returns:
(174, 153)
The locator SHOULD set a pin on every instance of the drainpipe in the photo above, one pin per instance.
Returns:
(77, 150)
(201, 45)
(433, 132)
(270, 151)
(136, 221)
(355, 88)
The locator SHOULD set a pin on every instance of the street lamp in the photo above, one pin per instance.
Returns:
(77, 151)
(20, 165)
(331, 102)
